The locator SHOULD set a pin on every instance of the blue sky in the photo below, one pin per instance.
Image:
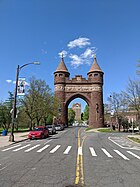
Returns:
(39, 30)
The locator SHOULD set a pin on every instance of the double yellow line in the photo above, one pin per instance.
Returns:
(79, 165)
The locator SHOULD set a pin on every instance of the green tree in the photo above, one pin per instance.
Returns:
(86, 113)
(49, 119)
(29, 103)
(71, 116)
(3, 115)
(23, 120)
(132, 97)
(5, 112)
(124, 123)
(38, 101)
(117, 106)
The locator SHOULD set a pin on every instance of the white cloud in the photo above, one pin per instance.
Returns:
(80, 42)
(8, 81)
(64, 53)
(85, 58)
(76, 60)
(43, 51)
(89, 53)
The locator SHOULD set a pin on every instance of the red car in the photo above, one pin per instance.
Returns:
(39, 132)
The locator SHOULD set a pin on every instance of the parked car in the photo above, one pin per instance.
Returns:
(51, 129)
(39, 132)
(59, 127)
(136, 129)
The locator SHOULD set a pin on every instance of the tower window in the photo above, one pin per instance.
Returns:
(60, 75)
(55, 75)
(90, 75)
(96, 75)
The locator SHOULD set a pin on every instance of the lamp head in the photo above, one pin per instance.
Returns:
(36, 63)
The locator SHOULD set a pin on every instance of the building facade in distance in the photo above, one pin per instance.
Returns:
(77, 109)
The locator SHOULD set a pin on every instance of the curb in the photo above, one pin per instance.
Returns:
(20, 140)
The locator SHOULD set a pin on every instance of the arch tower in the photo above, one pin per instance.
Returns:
(90, 90)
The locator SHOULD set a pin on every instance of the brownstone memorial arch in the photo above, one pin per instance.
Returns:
(90, 90)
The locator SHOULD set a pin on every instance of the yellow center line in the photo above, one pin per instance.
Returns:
(82, 168)
(77, 171)
(78, 161)
(79, 166)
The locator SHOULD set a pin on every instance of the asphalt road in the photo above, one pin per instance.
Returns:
(72, 158)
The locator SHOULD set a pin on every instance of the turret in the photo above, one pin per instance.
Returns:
(61, 74)
(95, 73)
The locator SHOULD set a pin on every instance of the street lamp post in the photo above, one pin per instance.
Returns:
(59, 114)
(132, 125)
(14, 111)
(111, 114)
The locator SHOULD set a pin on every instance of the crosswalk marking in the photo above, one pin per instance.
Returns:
(19, 147)
(22, 147)
(55, 149)
(92, 151)
(107, 153)
(67, 150)
(32, 148)
(123, 156)
(80, 151)
(11, 147)
(43, 148)
(134, 154)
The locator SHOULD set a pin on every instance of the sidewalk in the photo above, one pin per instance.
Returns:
(4, 140)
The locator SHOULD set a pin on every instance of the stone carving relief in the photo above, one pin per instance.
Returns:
(82, 88)
(59, 88)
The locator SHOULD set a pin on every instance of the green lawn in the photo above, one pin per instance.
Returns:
(106, 130)
(134, 139)
(88, 129)
(100, 130)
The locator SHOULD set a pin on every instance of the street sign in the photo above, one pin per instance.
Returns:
(21, 87)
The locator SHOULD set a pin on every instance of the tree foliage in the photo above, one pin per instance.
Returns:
(86, 113)
(132, 97)
(117, 106)
(38, 101)
(71, 116)
(5, 112)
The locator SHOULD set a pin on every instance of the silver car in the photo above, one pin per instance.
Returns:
(59, 127)
(51, 128)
